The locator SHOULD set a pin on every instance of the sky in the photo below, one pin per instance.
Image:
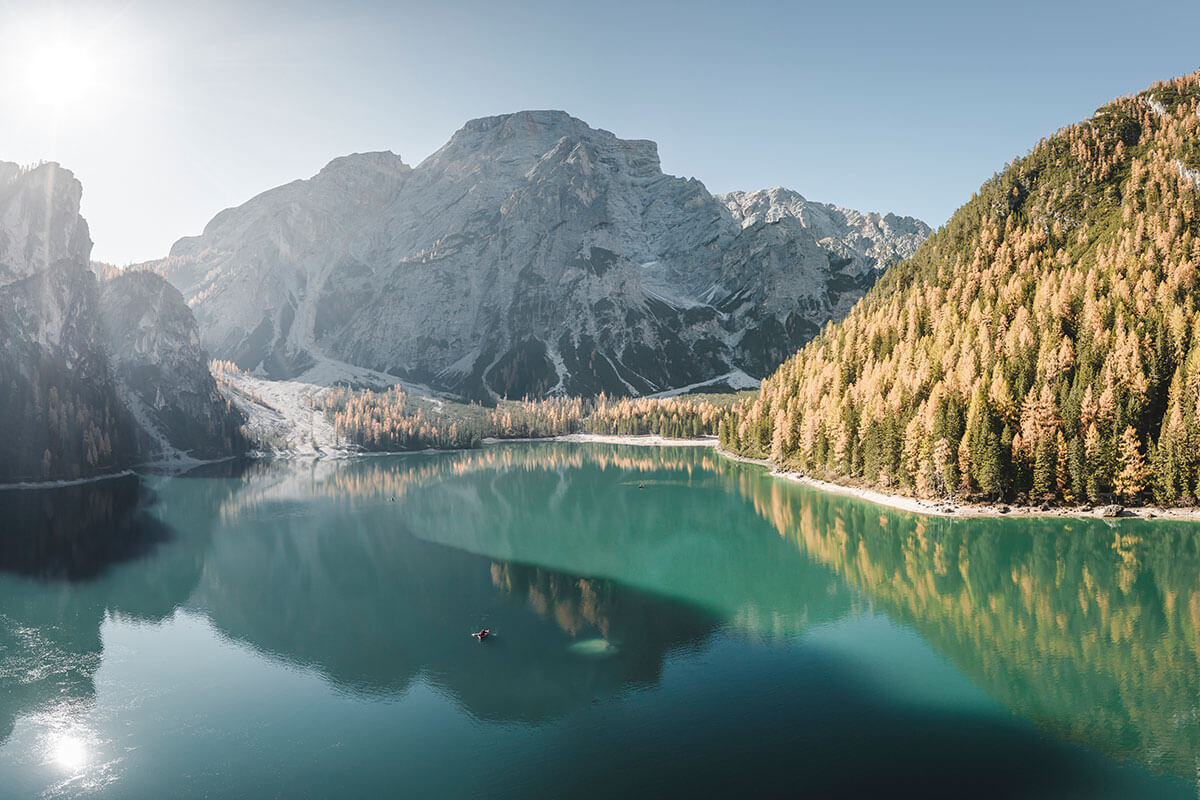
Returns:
(170, 111)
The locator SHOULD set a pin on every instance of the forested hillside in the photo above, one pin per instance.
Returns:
(1044, 342)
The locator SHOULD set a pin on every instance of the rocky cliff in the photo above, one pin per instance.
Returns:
(65, 394)
(59, 407)
(162, 372)
(531, 255)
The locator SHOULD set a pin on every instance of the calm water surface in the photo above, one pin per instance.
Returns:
(285, 630)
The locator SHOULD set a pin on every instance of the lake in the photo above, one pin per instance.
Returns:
(665, 623)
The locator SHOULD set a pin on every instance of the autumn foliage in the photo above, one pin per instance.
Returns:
(1044, 343)
(394, 420)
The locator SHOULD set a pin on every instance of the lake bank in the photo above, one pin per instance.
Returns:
(638, 440)
(939, 508)
(950, 508)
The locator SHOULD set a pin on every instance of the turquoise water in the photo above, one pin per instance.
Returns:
(666, 623)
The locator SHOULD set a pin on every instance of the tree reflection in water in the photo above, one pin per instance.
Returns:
(1089, 627)
(374, 571)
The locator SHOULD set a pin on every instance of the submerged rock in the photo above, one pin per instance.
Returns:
(593, 647)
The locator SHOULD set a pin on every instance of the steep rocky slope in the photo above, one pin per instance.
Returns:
(531, 255)
(63, 397)
(59, 408)
(162, 372)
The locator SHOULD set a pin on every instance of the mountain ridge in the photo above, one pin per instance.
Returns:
(530, 255)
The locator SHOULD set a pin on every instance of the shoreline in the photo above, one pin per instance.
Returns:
(161, 468)
(635, 439)
(933, 508)
(951, 509)
(59, 484)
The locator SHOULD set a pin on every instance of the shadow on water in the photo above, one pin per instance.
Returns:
(373, 573)
(75, 532)
(372, 608)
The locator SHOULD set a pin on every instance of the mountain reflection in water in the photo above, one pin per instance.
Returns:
(373, 572)
(1089, 627)
(75, 531)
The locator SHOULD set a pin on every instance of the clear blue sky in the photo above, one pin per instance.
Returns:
(182, 109)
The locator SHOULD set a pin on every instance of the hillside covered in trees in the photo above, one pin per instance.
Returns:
(1044, 343)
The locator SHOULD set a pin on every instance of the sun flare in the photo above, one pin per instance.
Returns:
(62, 72)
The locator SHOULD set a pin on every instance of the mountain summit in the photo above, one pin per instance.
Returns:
(530, 255)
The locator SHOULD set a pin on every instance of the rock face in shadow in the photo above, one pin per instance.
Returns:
(93, 377)
(531, 255)
(162, 372)
(59, 407)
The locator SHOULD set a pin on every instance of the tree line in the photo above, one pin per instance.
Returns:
(394, 420)
(1043, 344)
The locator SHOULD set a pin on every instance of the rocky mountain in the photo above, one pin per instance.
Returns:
(59, 406)
(1043, 345)
(162, 372)
(62, 406)
(531, 255)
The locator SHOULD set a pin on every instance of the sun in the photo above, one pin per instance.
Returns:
(59, 70)
(62, 72)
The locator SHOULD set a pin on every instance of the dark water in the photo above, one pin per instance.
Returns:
(303, 631)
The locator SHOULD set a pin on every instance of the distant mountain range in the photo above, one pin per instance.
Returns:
(531, 255)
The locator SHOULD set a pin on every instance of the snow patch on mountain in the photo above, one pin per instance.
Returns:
(530, 255)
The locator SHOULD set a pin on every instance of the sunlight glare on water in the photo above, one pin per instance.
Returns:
(69, 752)
(282, 630)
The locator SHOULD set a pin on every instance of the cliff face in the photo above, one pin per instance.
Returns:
(162, 372)
(531, 255)
(76, 358)
(59, 405)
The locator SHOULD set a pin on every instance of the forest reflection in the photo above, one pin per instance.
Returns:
(1090, 628)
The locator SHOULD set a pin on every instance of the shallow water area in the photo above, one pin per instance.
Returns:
(304, 630)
